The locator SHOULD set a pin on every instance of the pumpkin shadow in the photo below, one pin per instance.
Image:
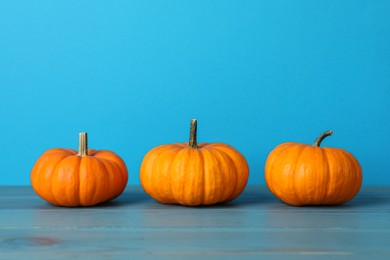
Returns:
(366, 202)
(157, 205)
(255, 196)
(250, 197)
(224, 205)
(247, 198)
(109, 204)
(49, 206)
(127, 198)
(367, 197)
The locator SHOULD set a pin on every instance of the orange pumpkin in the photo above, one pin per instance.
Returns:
(301, 174)
(65, 177)
(194, 174)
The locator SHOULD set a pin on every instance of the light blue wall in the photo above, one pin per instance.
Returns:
(133, 73)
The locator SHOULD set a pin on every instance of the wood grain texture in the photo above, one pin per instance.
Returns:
(256, 224)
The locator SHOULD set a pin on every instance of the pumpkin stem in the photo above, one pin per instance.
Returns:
(193, 129)
(83, 144)
(322, 136)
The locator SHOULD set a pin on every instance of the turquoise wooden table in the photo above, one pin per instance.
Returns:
(256, 224)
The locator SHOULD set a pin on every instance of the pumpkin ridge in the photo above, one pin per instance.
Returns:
(210, 181)
(86, 199)
(329, 185)
(203, 193)
(113, 175)
(226, 179)
(347, 158)
(280, 153)
(187, 162)
(108, 179)
(174, 200)
(118, 168)
(93, 196)
(52, 174)
(337, 193)
(148, 185)
(206, 154)
(38, 185)
(55, 173)
(342, 160)
(123, 174)
(272, 164)
(115, 159)
(79, 176)
(269, 165)
(234, 154)
(153, 181)
(326, 174)
(170, 175)
(176, 192)
(123, 171)
(236, 175)
(195, 181)
(297, 164)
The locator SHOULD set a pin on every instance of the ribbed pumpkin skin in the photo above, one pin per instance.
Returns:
(300, 174)
(178, 174)
(63, 178)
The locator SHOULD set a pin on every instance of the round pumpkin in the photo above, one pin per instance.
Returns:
(194, 174)
(65, 177)
(301, 174)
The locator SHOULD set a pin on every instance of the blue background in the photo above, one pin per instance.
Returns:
(254, 73)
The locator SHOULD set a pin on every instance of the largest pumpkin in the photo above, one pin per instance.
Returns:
(194, 174)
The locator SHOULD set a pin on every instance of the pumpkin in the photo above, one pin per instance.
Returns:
(301, 174)
(194, 174)
(65, 177)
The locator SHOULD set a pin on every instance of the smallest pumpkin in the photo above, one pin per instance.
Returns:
(65, 177)
(301, 174)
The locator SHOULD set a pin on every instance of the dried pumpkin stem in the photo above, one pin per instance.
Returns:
(83, 144)
(193, 129)
(322, 136)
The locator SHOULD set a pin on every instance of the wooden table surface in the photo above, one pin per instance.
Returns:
(256, 224)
